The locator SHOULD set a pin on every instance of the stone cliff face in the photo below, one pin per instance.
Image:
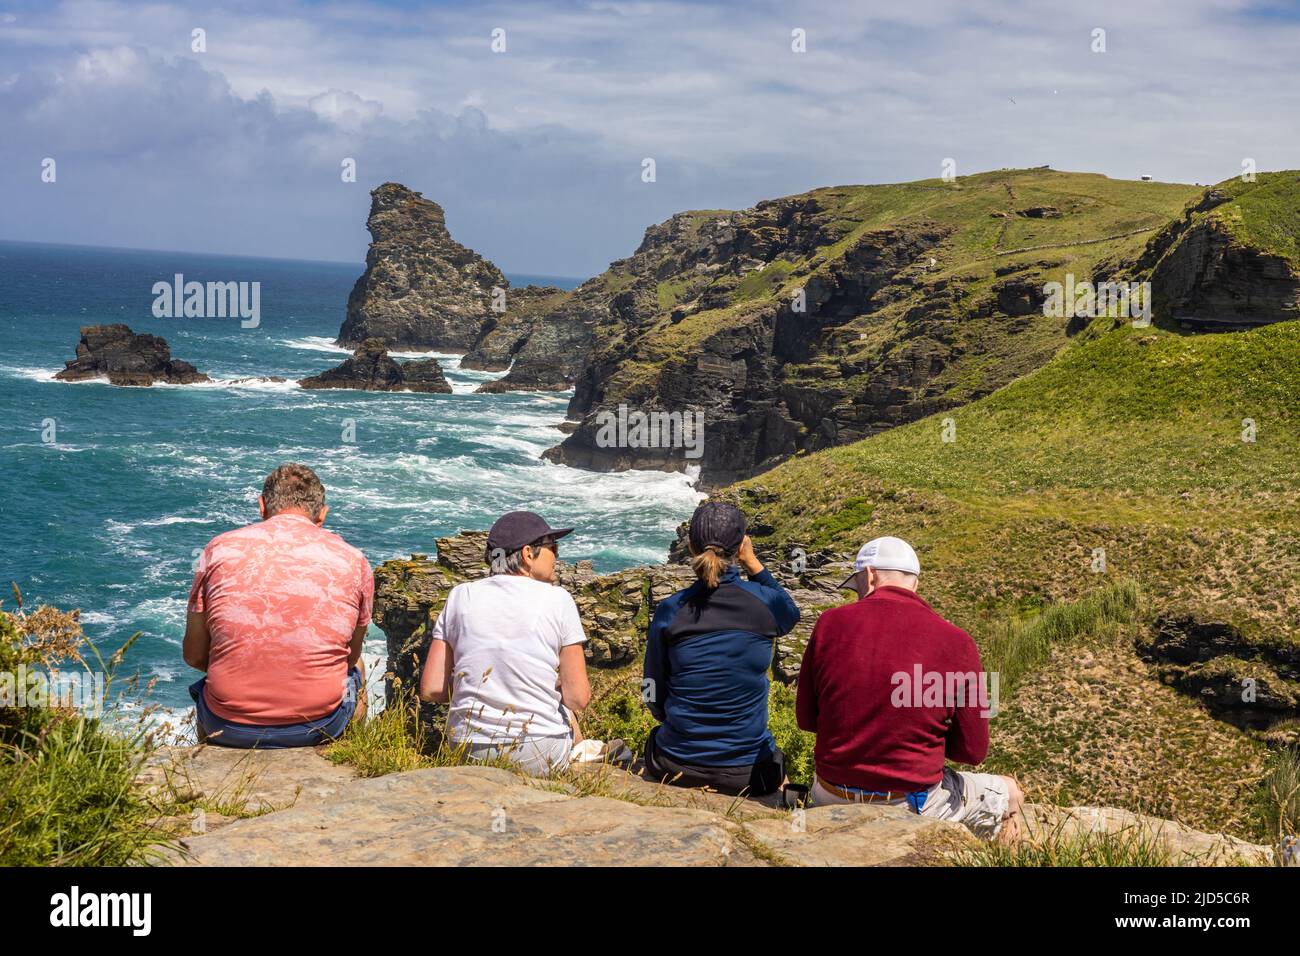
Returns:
(421, 289)
(757, 320)
(371, 369)
(542, 339)
(1209, 274)
(126, 358)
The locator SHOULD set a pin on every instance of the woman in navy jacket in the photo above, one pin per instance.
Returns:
(707, 657)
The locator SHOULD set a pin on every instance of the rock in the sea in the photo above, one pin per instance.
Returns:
(373, 370)
(127, 358)
(421, 289)
(540, 375)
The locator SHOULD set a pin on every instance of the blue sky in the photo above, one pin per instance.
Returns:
(536, 152)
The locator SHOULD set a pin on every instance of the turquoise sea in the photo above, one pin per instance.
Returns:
(108, 516)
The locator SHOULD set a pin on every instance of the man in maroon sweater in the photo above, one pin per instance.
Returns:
(892, 690)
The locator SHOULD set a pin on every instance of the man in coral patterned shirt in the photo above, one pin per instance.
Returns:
(276, 618)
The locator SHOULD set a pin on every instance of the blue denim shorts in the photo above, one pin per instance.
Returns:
(227, 733)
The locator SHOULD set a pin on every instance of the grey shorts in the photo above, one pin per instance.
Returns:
(979, 801)
(535, 756)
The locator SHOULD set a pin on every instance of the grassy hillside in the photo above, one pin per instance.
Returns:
(919, 296)
(1265, 213)
(1126, 441)
(1130, 441)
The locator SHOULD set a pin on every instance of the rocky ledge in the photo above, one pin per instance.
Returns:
(372, 369)
(296, 808)
(126, 358)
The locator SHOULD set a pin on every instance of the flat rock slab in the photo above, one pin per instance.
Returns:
(859, 835)
(629, 784)
(246, 781)
(470, 816)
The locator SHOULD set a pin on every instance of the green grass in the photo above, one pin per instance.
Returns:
(1127, 446)
(394, 740)
(1278, 799)
(1264, 214)
(1126, 848)
(797, 745)
(1016, 645)
(68, 795)
(1130, 442)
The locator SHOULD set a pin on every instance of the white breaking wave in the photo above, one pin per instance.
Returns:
(28, 372)
(315, 343)
(251, 382)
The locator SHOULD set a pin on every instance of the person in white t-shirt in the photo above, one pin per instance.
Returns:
(507, 652)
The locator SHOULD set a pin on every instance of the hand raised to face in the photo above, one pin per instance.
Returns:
(747, 558)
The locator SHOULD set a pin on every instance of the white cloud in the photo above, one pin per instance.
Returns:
(536, 152)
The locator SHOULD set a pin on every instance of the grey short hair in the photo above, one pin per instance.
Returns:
(890, 574)
(501, 561)
(293, 486)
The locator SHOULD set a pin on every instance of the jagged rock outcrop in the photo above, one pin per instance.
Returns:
(542, 338)
(372, 369)
(1209, 282)
(126, 358)
(758, 374)
(421, 289)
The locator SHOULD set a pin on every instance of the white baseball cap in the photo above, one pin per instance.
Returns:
(885, 554)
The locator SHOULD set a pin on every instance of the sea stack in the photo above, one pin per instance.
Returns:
(126, 358)
(371, 369)
(421, 289)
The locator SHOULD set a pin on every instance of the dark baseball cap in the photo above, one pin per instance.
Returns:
(718, 524)
(512, 531)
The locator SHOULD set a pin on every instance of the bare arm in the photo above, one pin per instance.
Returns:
(354, 649)
(575, 691)
(435, 678)
(198, 642)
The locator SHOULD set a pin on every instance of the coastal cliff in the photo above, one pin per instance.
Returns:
(1232, 260)
(820, 319)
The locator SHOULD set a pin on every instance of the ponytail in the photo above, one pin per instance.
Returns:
(709, 565)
